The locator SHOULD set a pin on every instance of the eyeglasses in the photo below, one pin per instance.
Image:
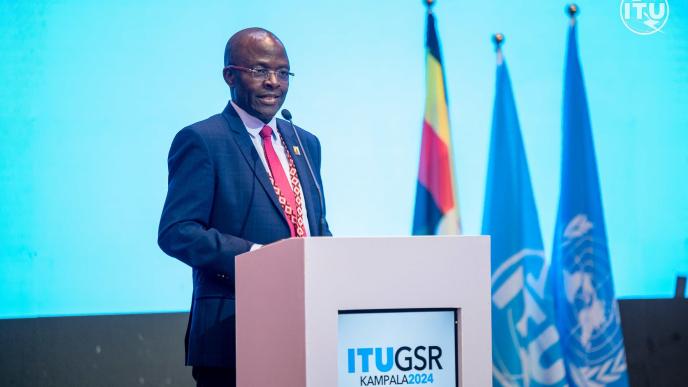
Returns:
(263, 74)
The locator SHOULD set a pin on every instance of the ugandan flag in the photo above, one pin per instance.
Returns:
(437, 210)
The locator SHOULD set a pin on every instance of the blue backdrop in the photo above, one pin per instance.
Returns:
(91, 94)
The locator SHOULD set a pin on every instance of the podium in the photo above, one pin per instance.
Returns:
(295, 297)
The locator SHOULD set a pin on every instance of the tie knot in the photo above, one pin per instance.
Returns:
(266, 131)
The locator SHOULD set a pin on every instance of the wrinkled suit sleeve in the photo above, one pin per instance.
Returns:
(184, 231)
(318, 158)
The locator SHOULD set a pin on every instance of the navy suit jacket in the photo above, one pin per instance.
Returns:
(219, 202)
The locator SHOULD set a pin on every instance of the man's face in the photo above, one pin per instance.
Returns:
(261, 98)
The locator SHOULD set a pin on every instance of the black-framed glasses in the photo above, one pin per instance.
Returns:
(263, 73)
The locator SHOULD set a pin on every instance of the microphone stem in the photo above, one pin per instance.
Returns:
(321, 219)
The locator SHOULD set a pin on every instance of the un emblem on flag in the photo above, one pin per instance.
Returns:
(594, 345)
(525, 339)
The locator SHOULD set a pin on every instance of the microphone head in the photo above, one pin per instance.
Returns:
(286, 114)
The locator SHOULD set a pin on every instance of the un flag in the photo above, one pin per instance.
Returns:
(586, 311)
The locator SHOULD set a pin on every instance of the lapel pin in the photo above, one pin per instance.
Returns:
(296, 150)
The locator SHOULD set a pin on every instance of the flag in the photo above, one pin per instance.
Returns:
(525, 342)
(436, 209)
(586, 311)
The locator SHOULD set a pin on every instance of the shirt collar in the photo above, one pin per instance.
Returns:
(252, 124)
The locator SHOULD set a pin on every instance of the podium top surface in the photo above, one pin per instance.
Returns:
(291, 242)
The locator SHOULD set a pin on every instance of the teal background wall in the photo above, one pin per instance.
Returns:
(91, 94)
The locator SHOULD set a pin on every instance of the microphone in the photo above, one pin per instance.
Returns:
(287, 116)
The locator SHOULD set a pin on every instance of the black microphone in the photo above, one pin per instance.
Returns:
(287, 116)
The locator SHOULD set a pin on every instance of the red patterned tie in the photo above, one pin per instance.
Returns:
(291, 205)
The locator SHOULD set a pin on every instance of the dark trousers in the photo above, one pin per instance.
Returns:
(214, 376)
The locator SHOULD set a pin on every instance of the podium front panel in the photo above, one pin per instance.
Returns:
(333, 275)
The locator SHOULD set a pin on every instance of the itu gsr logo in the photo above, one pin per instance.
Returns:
(644, 17)
(404, 358)
(395, 366)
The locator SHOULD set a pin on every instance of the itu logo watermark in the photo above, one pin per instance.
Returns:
(644, 17)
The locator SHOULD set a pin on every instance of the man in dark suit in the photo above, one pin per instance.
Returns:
(237, 180)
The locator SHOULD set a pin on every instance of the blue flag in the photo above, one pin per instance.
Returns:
(581, 277)
(525, 342)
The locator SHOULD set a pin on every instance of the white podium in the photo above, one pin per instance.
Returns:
(290, 294)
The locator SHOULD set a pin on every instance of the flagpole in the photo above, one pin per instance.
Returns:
(572, 9)
(429, 4)
(498, 40)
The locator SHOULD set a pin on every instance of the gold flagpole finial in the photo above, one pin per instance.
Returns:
(498, 40)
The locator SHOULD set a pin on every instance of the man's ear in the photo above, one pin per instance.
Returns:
(229, 76)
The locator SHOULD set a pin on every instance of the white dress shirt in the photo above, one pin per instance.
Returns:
(253, 126)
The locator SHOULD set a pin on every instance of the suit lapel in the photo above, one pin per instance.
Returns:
(243, 141)
(310, 193)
